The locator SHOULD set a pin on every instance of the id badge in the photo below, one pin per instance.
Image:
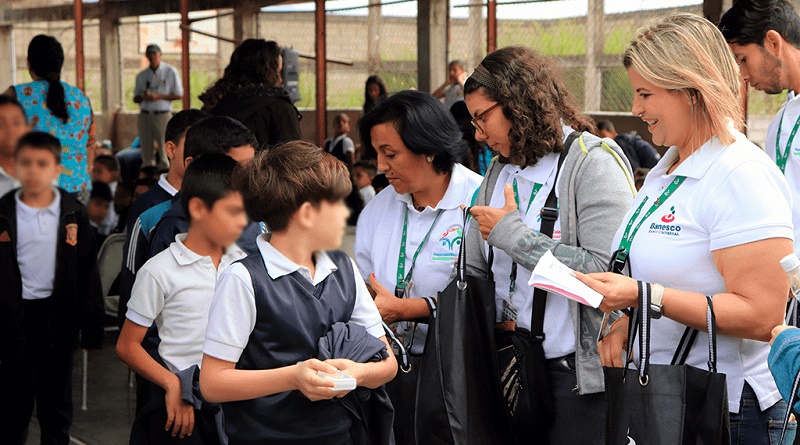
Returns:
(509, 311)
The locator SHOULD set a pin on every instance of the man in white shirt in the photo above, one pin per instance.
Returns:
(156, 87)
(765, 38)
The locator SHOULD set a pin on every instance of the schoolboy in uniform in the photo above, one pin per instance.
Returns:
(214, 135)
(284, 299)
(174, 290)
(51, 291)
(340, 145)
(13, 125)
(218, 134)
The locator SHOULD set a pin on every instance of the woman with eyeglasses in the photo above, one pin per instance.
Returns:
(523, 111)
(408, 236)
(712, 219)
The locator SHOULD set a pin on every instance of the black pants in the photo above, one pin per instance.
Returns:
(579, 420)
(42, 374)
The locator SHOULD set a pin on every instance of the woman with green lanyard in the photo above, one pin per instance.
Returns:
(408, 236)
(713, 218)
(524, 112)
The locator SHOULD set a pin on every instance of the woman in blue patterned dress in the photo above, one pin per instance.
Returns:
(60, 109)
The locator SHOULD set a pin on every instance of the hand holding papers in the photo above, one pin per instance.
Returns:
(552, 275)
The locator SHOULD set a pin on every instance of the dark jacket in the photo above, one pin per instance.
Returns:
(267, 112)
(77, 300)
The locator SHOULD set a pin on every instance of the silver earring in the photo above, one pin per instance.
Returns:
(429, 159)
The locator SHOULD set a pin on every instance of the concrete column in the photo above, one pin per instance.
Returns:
(431, 43)
(477, 36)
(110, 63)
(374, 37)
(245, 21)
(594, 50)
(8, 67)
(224, 49)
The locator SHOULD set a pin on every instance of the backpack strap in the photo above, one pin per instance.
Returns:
(549, 217)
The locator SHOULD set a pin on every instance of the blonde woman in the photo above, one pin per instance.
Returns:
(713, 218)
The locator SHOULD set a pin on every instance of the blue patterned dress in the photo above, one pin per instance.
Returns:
(73, 134)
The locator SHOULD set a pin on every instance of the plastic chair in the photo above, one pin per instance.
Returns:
(109, 262)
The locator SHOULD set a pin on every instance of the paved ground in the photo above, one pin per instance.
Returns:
(110, 401)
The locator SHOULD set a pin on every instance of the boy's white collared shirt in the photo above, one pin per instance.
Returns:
(233, 310)
(174, 289)
(37, 240)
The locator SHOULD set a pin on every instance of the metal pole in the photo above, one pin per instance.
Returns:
(322, 75)
(79, 62)
(491, 26)
(185, 66)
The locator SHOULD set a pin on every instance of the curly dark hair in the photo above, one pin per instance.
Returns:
(254, 62)
(533, 98)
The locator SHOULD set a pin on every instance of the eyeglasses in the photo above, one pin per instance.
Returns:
(481, 117)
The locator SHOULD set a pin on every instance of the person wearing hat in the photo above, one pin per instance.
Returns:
(156, 87)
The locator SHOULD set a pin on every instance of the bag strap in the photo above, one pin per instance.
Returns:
(549, 217)
(689, 336)
(711, 321)
(792, 401)
(644, 332)
(685, 345)
(405, 365)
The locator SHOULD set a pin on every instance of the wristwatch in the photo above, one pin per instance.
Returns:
(656, 295)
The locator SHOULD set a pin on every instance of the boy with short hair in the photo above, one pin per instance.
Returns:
(363, 174)
(48, 267)
(13, 124)
(98, 209)
(174, 290)
(271, 309)
(341, 146)
(217, 134)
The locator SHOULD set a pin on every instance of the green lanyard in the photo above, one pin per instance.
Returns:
(513, 277)
(402, 278)
(781, 158)
(627, 236)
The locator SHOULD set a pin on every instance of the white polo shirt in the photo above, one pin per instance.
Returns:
(174, 289)
(233, 310)
(558, 326)
(37, 241)
(732, 195)
(347, 143)
(792, 170)
(380, 229)
(164, 80)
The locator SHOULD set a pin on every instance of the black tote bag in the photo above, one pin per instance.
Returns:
(458, 391)
(666, 404)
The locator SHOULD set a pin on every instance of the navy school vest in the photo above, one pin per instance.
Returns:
(291, 316)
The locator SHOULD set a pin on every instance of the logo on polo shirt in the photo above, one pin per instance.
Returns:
(668, 228)
(449, 243)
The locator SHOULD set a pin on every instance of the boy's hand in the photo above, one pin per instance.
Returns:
(310, 384)
(353, 369)
(180, 415)
(777, 330)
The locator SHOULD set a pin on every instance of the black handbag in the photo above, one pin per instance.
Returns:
(458, 397)
(666, 404)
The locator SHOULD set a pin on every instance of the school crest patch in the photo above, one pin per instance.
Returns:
(72, 234)
(4, 237)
